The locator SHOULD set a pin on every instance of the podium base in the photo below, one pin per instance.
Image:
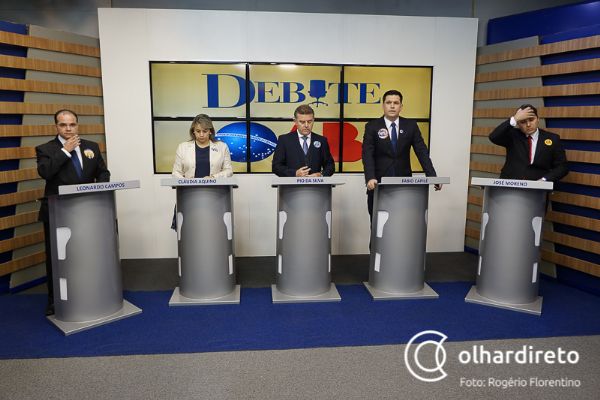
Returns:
(69, 328)
(177, 299)
(426, 293)
(534, 308)
(330, 295)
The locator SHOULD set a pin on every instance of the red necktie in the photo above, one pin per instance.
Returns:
(530, 142)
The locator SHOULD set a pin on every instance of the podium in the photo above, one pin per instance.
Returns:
(88, 289)
(304, 240)
(399, 238)
(509, 244)
(205, 241)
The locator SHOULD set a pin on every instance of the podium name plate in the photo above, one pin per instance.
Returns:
(321, 180)
(415, 180)
(512, 183)
(199, 182)
(98, 187)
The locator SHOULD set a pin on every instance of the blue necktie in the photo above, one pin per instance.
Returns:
(76, 164)
(305, 145)
(394, 136)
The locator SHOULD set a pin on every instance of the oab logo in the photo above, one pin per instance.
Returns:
(426, 359)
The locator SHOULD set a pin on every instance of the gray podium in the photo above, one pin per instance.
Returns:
(304, 240)
(205, 242)
(509, 244)
(399, 238)
(86, 267)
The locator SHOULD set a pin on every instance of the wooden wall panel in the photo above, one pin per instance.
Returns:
(34, 64)
(541, 50)
(542, 70)
(16, 39)
(24, 85)
(46, 130)
(70, 89)
(490, 100)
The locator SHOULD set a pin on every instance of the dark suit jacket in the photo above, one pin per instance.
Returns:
(289, 155)
(378, 156)
(549, 160)
(57, 168)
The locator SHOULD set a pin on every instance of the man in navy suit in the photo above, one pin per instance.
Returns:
(531, 153)
(302, 152)
(386, 146)
(65, 160)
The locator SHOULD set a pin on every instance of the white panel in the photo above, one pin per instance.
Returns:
(377, 262)
(322, 31)
(63, 234)
(382, 217)
(230, 258)
(479, 266)
(329, 263)
(131, 37)
(179, 224)
(536, 224)
(454, 48)
(228, 225)
(279, 264)
(62, 285)
(282, 220)
(399, 40)
(485, 218)
(534, 275)
(179, 265)
(328, 220)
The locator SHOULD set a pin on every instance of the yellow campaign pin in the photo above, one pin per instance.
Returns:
(548, 142)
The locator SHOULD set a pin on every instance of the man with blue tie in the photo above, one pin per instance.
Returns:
(65, 160)
(386, 146)
(302, 152)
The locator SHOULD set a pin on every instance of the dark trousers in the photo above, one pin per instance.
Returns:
(370, 196)
(49, 280)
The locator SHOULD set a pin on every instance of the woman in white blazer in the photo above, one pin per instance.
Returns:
(213, 156)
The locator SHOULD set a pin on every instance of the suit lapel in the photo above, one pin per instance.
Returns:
(85, 161)
(540, 144)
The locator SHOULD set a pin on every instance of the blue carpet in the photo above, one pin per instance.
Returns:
(257, 324)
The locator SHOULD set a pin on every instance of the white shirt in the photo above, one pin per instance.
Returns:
(388, 125)
(534, 138)
(300, 138)
(77, 151)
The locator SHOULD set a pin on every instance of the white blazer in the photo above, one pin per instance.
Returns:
(185, 160)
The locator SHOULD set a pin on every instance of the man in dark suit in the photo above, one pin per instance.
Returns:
(65, 160)
(302, 152)
(386, 146)
(531, 153)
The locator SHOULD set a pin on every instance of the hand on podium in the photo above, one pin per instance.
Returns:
(304, 171)
(371, 184)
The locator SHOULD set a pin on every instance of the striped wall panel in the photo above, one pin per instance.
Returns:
(562, 79)
(41, 71)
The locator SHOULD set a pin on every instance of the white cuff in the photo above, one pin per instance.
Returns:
(513, 122)
(66, 152)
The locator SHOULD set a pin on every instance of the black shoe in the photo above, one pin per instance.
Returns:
(50, 309)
